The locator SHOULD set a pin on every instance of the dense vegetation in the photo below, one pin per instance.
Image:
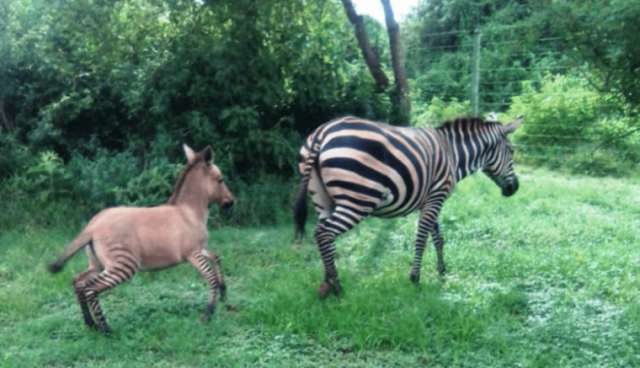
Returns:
(97, 95)
(547, 278)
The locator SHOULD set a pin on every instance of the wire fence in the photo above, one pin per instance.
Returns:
(490, 67)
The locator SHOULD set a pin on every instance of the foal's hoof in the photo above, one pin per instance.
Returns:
(106, 330)
(415, 278)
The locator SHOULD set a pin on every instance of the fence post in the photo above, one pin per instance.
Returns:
(475, 71)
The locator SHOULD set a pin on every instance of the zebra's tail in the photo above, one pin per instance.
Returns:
(300, 203)
(80, 242)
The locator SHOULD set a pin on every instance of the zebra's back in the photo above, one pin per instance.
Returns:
(377, 166)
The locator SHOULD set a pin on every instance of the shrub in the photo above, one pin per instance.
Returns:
(438, 111)
(568, 124)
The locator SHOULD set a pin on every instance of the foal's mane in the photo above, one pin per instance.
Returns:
(183, 176)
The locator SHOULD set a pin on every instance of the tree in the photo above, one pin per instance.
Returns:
(403, 105)
(402, 87)
(370, 57)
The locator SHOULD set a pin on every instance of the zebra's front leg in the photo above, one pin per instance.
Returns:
(424, 228)
(428, 224)
(438, 243)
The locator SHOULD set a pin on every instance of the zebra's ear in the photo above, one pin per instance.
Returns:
(208, 155)
(188, 152)
(512, 126)
(492, 117)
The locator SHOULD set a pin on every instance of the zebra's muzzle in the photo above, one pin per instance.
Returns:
(511, 188)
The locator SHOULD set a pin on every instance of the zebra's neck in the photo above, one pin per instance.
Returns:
(469, 145)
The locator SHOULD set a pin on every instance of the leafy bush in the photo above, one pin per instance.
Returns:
(569, 124)
(559, 112)
(438, 111)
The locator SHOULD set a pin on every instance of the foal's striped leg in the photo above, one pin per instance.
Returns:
(215, 260)
(105, 280)
(341, 220)
(78, 286)
(200, 261)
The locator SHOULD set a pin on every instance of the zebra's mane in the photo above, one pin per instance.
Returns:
(465, 122)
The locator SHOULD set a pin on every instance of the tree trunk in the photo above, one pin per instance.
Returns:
(8, 124)
(370, 57)
(402, 87)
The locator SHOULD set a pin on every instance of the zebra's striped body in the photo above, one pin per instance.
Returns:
(353, 167)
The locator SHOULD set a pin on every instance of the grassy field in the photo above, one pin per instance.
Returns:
(547, 278)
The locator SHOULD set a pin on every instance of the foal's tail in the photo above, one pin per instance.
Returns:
(80, 242)
(300, 203)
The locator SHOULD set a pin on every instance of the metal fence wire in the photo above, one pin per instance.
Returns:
(488, 68)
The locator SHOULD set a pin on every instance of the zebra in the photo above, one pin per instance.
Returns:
(353, 167)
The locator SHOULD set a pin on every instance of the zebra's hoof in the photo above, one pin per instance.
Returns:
(105, 330)
(415, 278)
(91, 324)
(205, 318)
(323, 290)
(336, 288)
(223, 292)
(441, 272)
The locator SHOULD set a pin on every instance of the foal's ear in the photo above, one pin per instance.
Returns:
(188, 152)
(512, 126)
(208, 155)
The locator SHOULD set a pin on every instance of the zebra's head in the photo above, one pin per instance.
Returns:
(499, 164)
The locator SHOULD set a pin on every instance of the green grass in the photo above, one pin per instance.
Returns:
(549, 277)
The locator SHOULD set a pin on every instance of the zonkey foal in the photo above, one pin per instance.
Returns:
(123, 240)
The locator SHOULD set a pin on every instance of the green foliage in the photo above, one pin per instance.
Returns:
(559, 112)
(542, 286)
(438, 111)
(605, 39)
(570, 124)
(206, 73)
(105, 92)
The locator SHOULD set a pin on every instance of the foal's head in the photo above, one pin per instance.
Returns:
(203, 177)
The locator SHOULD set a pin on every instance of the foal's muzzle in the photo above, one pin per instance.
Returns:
(227, 205)
(511, 188)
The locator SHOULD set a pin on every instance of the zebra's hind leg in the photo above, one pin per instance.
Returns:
(105, 280)
(215, 260)
(79, 287)
(341, 220)
(200, 262)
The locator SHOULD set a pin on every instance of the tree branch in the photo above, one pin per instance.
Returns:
(621, 136)
(372, 60)
(402, 86)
